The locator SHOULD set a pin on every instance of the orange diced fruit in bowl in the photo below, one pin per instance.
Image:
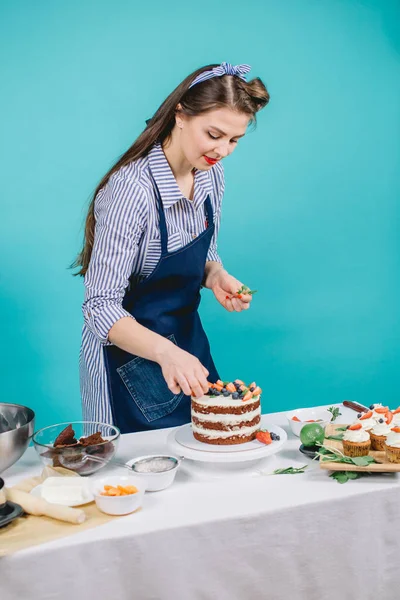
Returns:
(119, 490)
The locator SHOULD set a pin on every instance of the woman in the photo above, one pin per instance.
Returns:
(150, 245)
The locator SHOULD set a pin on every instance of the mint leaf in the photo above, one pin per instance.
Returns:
(335, 437)
(339, 476)
(335, 412)
(345, 476)
(290, 470)
(362, 461)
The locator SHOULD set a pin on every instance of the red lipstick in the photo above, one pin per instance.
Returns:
(210, 161)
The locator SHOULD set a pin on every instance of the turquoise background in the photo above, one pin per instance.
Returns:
(311, 213)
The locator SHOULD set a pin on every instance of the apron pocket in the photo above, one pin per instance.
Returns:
(145, 382)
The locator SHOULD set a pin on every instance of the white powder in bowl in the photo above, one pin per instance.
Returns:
(154, 465)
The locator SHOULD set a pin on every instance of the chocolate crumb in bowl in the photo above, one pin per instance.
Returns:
(66, 451)
(66, 437)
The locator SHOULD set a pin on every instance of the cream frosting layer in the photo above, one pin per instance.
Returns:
(381, 428)
(229, 419)
(214, 433)
(223, 401)
(356, 435)
(396, 420)
(393, 439)
(366, 423)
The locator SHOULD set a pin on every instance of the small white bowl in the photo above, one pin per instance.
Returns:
(156, 481)
(118, 505)
(321, 415)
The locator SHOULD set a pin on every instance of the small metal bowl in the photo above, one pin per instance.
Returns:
(156, 479)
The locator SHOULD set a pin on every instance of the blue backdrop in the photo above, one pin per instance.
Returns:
(310, 215)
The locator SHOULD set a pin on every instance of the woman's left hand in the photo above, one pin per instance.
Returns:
(225, 288)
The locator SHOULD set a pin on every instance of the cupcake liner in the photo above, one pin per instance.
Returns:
(378, 442)
(354, 449)
(392, 454)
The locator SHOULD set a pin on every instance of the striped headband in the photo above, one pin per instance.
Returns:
(223, 69)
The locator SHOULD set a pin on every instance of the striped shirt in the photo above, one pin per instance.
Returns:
(126, 243)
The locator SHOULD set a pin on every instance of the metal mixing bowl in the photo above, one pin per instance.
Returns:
(16, 429)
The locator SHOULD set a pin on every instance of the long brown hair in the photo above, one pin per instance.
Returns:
(226, 91)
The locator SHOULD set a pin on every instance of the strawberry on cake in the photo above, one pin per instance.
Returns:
(229, 413)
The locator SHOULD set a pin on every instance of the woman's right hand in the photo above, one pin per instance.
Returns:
(183, 371)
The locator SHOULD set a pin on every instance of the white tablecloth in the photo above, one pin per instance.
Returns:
(238, 535)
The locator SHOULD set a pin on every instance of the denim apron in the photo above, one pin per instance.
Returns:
(165, 302)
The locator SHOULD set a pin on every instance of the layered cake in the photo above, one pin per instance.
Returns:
(229, 413)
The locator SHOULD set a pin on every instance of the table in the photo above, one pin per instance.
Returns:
(225, 536)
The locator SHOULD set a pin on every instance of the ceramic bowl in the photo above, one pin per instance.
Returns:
(305, 415)
(118, 505)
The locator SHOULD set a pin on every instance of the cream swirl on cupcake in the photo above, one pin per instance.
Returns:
(356, 435)
(382, 410)
(396, 418)
(381, 428)
(366, 420)
(393, 438)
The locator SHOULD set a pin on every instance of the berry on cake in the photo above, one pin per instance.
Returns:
(230, 413)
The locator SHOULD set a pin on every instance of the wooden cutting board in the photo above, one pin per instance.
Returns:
(380, 467)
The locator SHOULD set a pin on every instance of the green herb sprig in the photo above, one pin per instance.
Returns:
(335, 412)
(246, 290)
(290, 470)
(338, 437)
(329, 454)
(345, 476)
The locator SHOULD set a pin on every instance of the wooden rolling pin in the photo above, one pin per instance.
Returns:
(40, 508)
(354, 406)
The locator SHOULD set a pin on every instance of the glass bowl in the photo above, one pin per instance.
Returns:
(71, 452)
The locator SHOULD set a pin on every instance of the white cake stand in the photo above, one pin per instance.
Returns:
(182, 443)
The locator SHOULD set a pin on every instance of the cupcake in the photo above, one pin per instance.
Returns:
(356, 441)
(396, 417)
(392, 445)
(380, 431)
(366, 420)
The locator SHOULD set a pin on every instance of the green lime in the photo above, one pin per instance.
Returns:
(311, 433)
